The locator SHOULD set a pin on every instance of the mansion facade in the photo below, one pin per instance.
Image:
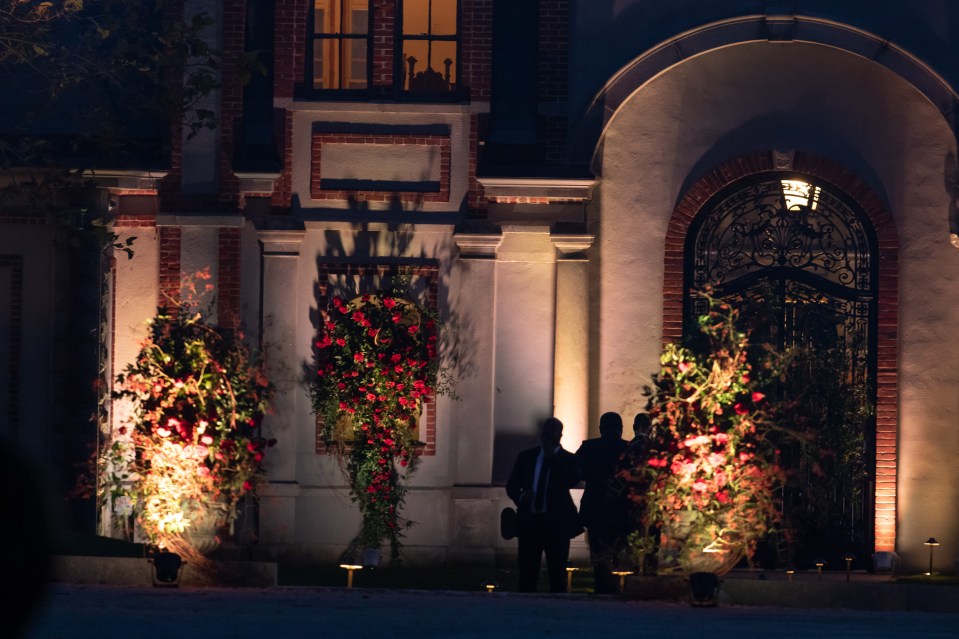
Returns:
(554, 177)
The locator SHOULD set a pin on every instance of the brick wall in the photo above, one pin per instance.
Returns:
(887, 388)
(228, 278)
(169, 284)
(327, 272)
(289, 46)
(384, 38)
(476, 42)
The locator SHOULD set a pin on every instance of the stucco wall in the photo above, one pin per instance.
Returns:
(789, 96)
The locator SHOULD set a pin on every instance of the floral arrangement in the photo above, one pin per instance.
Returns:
(707, 481)
(191, 442)
(377, 362)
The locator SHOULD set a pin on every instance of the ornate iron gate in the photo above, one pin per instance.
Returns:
(798, 258)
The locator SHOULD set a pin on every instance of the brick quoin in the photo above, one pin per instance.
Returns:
(384, 39)
(169, 276)
(887, 372)
(476, 42)
(228, 284)
(430, 272)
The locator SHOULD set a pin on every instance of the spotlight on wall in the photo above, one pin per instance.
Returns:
(932, 543)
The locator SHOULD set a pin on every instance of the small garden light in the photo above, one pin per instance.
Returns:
(349, 568)
(569, 577)
(932, 543)
(790, 572)
(820, 562)
(848, 558)
(622, 574)
(490, 585)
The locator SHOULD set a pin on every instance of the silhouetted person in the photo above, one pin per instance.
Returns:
(635, 457)
(604, 509)
(546, 518)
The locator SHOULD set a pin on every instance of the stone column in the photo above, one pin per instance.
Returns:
(476, 272)
(281, 253)
(571, 355)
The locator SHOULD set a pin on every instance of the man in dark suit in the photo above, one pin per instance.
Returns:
(604, 509)
(546, 518)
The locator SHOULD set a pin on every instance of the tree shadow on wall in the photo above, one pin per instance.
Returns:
(368, 256)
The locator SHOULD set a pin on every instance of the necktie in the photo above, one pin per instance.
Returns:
(539, 504)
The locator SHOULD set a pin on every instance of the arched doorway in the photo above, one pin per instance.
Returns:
(799, 258)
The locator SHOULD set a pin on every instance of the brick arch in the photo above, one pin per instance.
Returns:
(887, 304)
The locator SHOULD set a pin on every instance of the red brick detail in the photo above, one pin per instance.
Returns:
(228, 275)
(429, 272)
(476, 46)
(169, 275)
(553, 73)
(283, 190)
(135, 221)
(14, 310)
(887, 378)
(384, 38)
(289, 46)
(441, 141)
(477, 203)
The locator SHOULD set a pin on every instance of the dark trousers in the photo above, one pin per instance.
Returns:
(605, 544)
(539, 536)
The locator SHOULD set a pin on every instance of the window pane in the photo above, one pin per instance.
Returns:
(443, 18)
(415, 62)
(354, 63)
(415, 17)
(359, 18)
(324, 16)
(320, 78)
(443, 61)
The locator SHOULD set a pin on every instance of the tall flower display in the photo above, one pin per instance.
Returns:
(377, 362)
(707, 483)
(191, 446)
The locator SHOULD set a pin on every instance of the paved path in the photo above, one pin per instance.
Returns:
(110, 612)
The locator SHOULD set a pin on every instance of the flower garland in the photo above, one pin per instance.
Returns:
(198, 397)
(376, 365)
(708, 479)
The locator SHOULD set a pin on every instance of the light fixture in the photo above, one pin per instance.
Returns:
(932, 543)
(349, 568)
(167, 567)
(848, 558)
(490, 585)
(569, 577)
(704, 588)
(622, 574)
(820, 562)
(789, 573)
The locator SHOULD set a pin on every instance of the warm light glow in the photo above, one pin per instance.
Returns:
(799, 194)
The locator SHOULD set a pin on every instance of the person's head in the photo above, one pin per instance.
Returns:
(611, 426)
(641, 424)
(552, 432)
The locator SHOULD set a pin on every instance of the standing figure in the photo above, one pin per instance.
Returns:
(604, 509)
(546, 518)
(635, 457)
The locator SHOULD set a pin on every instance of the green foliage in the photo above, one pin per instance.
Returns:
(198, 397)
(377, 363)
(709, 477)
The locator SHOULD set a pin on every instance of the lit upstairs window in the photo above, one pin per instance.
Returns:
(429, 46)
(340, 44)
